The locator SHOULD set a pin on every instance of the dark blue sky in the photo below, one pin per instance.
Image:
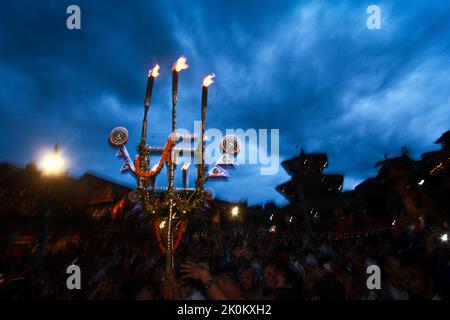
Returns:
(310, 68)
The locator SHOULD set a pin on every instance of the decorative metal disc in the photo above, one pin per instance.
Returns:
(230, 144)
(118, 136)
(133, 196)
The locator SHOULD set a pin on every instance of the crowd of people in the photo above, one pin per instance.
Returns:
(250, 264)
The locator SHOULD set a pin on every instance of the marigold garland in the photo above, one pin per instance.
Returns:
(178, 239)
(165, 157)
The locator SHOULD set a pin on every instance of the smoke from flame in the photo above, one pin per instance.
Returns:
(208, 80)
(180, 64)
(154, 72)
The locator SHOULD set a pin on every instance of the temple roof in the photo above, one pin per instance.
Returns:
(306, 162)
(444, 139)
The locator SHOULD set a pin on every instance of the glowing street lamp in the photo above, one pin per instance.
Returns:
(53, 163)
(235, 211)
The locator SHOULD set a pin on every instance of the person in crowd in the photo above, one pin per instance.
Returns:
(420, 284)
(329, 289)
(393, 281)
(282, 283)
(222, 286)
(251, 288)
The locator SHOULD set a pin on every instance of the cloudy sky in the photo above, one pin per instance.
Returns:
(309, 68)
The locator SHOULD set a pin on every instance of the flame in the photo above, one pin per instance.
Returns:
(208, 80)
(154, 72)
(180, 64)
(185, 166)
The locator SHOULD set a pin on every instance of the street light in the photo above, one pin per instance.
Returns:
(235, 211)
(53, 163)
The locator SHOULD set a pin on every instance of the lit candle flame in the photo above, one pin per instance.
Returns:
(208, 80)
(180, 64)
(154, 72)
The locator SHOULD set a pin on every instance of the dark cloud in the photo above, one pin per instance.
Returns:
(310, 68)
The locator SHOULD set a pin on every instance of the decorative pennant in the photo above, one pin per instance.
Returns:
(225, 160)
(120, 154)
(218, 172)
(125, 167)
(118, 208)
(123, 154)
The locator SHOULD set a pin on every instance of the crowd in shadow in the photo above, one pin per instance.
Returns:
(248, 263)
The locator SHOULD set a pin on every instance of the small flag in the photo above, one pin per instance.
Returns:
(218, 172)
(125, 167)
(120, 154)
(118, 208)
(226, 160)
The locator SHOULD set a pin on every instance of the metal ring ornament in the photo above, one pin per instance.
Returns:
(118, 136)
(230, 144)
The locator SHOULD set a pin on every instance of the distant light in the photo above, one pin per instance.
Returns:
(290, 219)
(421, 182)
(271, 217)
(273, 229)
(235, 211)
(53, 163)
(393, 222)
(162, 224)
(444, 237)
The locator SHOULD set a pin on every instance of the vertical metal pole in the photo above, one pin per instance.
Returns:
(169, 252)
(170, 189)
(142, 150)
(201, 171)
